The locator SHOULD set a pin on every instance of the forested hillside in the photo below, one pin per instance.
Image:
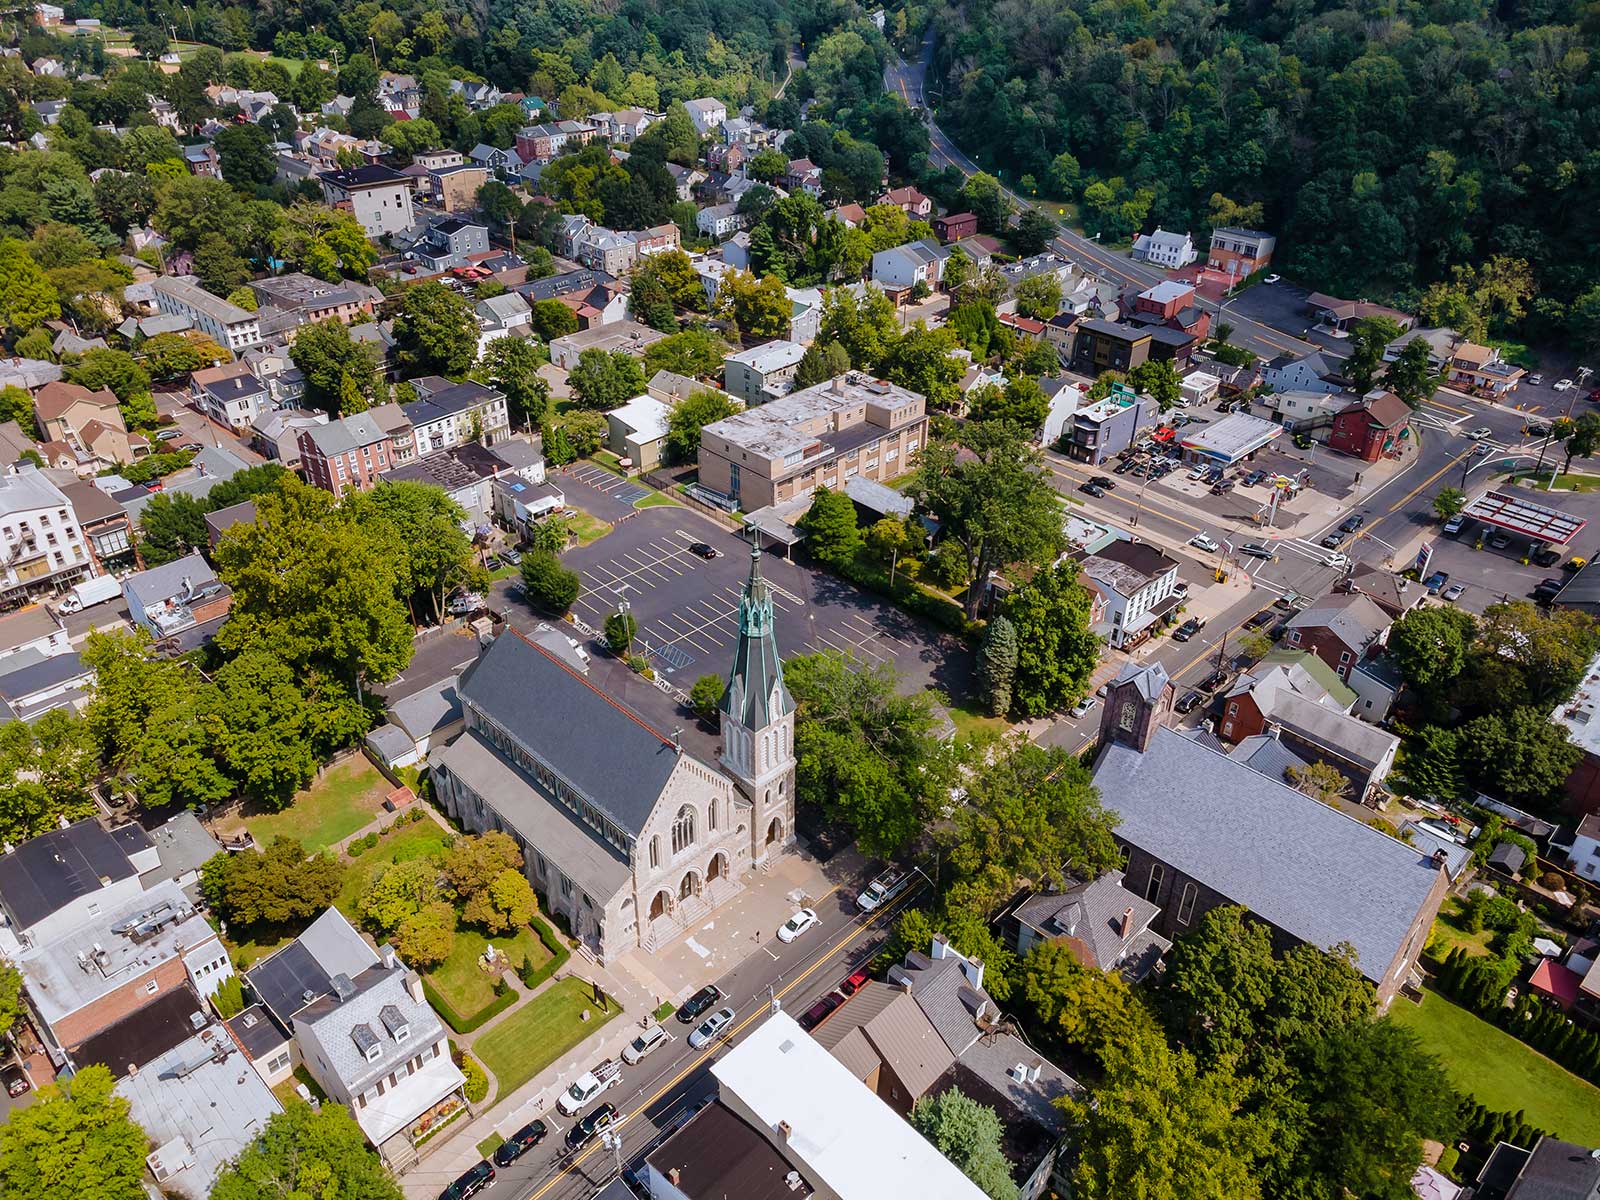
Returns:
(1386, 143)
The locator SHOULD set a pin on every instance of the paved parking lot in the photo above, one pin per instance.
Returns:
(598, 492)
(687, 607)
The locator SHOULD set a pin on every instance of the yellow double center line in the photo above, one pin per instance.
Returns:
(695, 1064)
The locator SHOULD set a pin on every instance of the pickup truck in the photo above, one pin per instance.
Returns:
(590, 1084)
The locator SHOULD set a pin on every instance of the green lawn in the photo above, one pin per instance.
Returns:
(1500, 1072)
(587, 526)
(971, 720)
(657, 500)
(540, 1032)
(467, 988)
(289, 1089)
(490, 1144)
(420, 839)
(335, 806)
(1447, 934)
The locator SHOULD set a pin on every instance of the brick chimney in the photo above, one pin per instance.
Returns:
(785, 1130)
(1125, 926)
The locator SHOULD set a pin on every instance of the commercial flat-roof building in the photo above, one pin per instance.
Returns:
(1231, 440)
(378, 196)
(820, 436)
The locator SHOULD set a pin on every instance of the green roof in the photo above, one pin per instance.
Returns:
(1326, 677)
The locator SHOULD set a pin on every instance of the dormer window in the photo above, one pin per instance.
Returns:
(367, 1042)
(395, 1022)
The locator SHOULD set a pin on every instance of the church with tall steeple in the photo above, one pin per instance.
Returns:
(757, 720)
(623, 831)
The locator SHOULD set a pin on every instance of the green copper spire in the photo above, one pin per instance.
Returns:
(755, 695)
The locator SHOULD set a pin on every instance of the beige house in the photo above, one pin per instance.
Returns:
(89, 422)
(458, 186)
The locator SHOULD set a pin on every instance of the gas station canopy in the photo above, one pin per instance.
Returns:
(1517, 515)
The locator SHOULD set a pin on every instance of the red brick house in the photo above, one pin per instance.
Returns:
(1340, 630)
(1370, 427)
(952, 227)
(349, 454)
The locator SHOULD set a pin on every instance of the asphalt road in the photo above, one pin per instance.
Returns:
(907, 80)
(663, 1090)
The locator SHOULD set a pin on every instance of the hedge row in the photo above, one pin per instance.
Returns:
(1488, 1127)
(910, 596)
(559, 953)
(1478, 984)
(504, 1000)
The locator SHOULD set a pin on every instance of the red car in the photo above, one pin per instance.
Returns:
(854, 984)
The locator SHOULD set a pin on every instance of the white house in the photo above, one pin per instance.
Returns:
(1139, 585)
(707, 114)
(222, 321)
(763, 372)
(1584, 856)
(1199, 387)
(908, 265)
(505, 315)
(1163, 249)
(720, 220)
(1307, 373)
(378, 196)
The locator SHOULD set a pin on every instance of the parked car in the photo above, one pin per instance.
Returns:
(1352, 523)
(168, 435)
(1104, 481)
(1455, 523)
(1536, 379)
(1204, 541)
(1213, 681)
(588, 1086)
(1083, 707)
(1435, 582)
(15, 1079)
(802, 920)
(854, 982)
(1254, 478)
(1222, 487)
(703, 549)
(1273, 279)
(1261, 620)
(1453, 593)
(470, 1183)
(462, 603)
(519, 1143)
(1259, 550)
(1187, 630)
(1563, 385)
(1190, 702)
(585, 1130)
(710, 1029)
(1122, 468)
(1499, 541)
(1092, 489)
(1548, 557)
(514, 557)
(883, 889)
(819, 1012)
(690, 1010)
(646, 1044)
(1545, 590)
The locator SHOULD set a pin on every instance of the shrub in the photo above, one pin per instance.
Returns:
(477, 1085)
(547, 584)
(946, 570)
(559, 953)
(229, 997)
(705, 695)
(356, 848)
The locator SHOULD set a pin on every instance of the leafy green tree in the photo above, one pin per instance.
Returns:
(27, 299)
(829, 525)
(16, 404)
(262, 728)
(995, 503)
(620, 628)
(473, 863)
(1056, 652)
(1039, 297)
(10, 996)
(706, 695)
(307, 1152)
(114, 369)
(246, 485)
(1430, 646)
(1030, 813)
(975, 324)
(1368, 341)
(511, 365)
(46, 770)
(1522, 755)
(997, 664)
(761, 309)
(273, 889)
(1159, 380)
(436, 555)
(864, 324)
(865, 752)
(688, 417)
(1449, 503)
(1034, 232)
(435, 330)
(547, 584)
(1582, 438)
(1526, 657)
(1430, 760)
(426, 937)
(219, 267)
(695, 352)
(969, 1135)
(820, 363)
(398, 892)
(229, 997)
(1321, 781)
(245, 153)
(552, 319)
(649, 304)
(314, 587)
(1411, 376)
(921, 360)
(602, 380)
(1022, 402)
(76, 1139)
(327, 356)
(171, 525)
